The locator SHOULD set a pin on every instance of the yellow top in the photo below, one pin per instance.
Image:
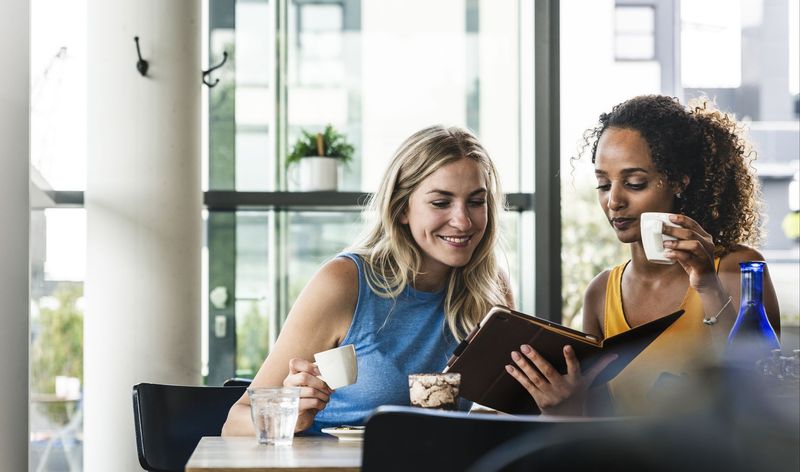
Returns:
(680, 349)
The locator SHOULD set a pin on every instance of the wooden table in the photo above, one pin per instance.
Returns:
(306, 454)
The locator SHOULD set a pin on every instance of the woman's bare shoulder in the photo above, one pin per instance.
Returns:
(594, 301)
(729, 268)
(340, 269)
(597, 287)
(337, 282)
(739, 253)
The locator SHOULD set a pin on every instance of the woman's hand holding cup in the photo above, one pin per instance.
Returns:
(314, 392)
(340, 369)
(693, 248)
(338, 366)
(654, 234)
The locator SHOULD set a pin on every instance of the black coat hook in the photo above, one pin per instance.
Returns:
(208, 72)
(141, 64)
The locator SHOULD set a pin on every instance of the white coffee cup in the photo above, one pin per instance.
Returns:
(338, 366)
(652, 225)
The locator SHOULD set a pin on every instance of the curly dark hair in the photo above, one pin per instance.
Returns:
(706, 145)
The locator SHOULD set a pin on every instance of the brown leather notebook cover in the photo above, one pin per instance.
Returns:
(482, 357)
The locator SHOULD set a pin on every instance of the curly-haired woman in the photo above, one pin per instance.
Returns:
(422, 277)
(651, 154)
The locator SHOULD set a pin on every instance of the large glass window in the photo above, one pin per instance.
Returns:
(377, 71)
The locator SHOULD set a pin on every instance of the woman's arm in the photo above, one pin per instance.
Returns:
(318, 320)
(694, 251)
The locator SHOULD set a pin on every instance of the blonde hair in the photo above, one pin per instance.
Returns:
(388, 249)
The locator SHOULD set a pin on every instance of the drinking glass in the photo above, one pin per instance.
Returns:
(274, 411)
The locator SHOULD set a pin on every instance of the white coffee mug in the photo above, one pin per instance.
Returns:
(338, 366)
(652, 225)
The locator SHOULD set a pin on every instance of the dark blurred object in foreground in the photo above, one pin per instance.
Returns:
(723, 417)
(729, 418)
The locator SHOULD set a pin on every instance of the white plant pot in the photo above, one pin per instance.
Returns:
(317, 174)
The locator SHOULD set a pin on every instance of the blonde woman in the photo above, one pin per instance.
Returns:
(424, 274)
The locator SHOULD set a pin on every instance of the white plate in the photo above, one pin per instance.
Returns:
(345, 434)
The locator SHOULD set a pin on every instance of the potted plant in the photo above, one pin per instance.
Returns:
(317, 156)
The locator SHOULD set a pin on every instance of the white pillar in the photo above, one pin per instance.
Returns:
(14, 285)
(143, 207)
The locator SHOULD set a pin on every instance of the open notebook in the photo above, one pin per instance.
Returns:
(481, 358)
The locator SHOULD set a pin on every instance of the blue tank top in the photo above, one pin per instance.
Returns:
(392, 338)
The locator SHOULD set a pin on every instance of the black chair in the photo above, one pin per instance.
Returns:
(237, 382)
(170, 420)
(405, 438)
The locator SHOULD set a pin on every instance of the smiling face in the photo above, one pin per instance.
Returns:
(447, 215)
(628, 183)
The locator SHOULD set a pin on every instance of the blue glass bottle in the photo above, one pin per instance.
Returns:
(752, 335)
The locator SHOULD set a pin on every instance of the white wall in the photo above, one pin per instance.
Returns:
(143, 203)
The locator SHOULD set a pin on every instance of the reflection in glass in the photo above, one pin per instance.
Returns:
(254, 291)
(635, 31)
(379, 71)
(314, 238)
(255, 96)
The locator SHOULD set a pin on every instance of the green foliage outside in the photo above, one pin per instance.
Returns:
(252, 336)
(57, 348)
(589, 246)
(335, 145)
